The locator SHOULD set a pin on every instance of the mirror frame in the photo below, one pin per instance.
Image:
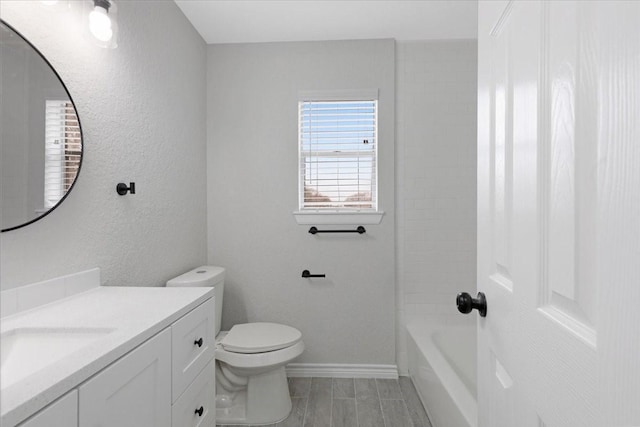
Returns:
(75, 180)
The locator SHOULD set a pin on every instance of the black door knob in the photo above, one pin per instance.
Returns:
(199, 411)
(198, 342)
(466, 303)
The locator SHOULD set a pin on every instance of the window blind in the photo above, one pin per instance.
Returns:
(337, 146)
(63, 150)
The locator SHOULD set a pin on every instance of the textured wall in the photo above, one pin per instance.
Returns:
(253, 190)
(436, 180)
(142, 108)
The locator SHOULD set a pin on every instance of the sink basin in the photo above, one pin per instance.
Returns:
(24, 351)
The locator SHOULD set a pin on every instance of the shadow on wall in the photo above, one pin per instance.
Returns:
(234, 310)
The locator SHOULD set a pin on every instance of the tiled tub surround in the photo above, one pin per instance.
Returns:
(349, 402)
(130, 315)
(436, 93)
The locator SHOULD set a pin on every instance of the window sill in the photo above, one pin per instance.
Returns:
(337, 218)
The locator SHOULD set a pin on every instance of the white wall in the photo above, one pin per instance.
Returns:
(253, 190)
(142, 108)
(436, 180)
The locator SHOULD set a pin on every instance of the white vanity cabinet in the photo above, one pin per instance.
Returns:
(168, 380)
(169, 377)
(61, 413)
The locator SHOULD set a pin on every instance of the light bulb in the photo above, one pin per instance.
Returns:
(100, 24)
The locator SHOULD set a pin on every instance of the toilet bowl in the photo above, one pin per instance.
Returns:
(251, 382)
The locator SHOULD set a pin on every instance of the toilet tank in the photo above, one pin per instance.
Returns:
(205, 276)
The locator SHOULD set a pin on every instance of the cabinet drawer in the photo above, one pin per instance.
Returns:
(189, 354)
(61, 413)
(200, 394)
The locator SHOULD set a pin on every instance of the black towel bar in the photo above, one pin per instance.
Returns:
(359, 230)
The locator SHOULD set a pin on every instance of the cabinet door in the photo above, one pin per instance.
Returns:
(135, 391)
(61, 413)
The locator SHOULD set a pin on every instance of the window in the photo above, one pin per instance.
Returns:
(337, 154)
(62, 150)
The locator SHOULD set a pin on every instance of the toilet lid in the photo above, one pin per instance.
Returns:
(260, 337)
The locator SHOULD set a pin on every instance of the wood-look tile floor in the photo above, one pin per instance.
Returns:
(349, 402)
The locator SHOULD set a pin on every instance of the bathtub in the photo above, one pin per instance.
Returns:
(442, 365)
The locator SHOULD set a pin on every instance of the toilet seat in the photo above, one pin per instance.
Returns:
(259, 337)
(259, 360)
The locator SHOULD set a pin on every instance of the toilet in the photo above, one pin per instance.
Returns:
(251, 382)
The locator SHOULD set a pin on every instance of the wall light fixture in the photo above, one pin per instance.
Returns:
(103, 24)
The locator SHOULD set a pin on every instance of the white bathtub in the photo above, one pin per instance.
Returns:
(442, 365)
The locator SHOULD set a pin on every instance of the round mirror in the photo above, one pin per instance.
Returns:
(40, 134)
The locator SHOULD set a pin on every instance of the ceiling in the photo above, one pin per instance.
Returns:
(249, 21)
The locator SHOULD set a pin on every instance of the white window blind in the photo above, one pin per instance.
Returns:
(337, 147)
(62, 150)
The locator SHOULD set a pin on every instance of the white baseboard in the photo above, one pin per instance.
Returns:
(338, 370)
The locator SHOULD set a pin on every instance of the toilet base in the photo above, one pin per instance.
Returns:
(265, 400)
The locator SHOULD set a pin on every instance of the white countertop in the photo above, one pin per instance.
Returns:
(134, 314)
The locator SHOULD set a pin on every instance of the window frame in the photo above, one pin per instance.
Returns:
(338, 215)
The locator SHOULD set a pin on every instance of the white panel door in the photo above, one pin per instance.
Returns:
(559, 213)
(134, 391)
